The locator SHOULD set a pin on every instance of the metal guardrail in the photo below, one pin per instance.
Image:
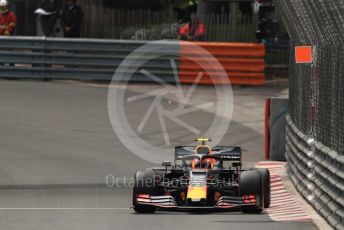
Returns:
(318, 174)
(99, 59)
(79, 59)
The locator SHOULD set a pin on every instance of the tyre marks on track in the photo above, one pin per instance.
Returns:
(283, 206)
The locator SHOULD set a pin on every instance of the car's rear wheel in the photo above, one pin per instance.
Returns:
(251, 184)
(145, 182)
(265, 173)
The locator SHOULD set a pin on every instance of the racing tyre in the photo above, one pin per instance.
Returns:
(265, 173)
(145, 182)
(251, 184)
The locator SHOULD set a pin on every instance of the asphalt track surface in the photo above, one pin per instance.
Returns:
(58, 146)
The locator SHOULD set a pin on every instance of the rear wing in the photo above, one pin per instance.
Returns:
(224, 153)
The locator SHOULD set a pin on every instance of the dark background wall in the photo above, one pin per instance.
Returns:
(26, 19)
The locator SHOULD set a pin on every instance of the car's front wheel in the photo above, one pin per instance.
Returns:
(145, 182)
(251, 184)
(265, 173)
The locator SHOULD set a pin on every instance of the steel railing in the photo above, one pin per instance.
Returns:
(79, 59)
(99, 59)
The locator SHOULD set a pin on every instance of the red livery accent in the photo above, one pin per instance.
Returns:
(144, 196)
(267, 130)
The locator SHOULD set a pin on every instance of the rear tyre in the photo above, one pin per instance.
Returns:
(251, 184)
(145, 182)
(265, 173)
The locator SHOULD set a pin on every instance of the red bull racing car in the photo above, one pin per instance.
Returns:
(202, 178)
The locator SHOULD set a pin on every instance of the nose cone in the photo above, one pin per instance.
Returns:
(197, 194)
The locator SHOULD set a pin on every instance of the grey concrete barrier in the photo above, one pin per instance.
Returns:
(277, 124)
(317, 172)
(275, 127)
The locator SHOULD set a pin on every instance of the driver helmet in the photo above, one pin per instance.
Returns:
(208, 163)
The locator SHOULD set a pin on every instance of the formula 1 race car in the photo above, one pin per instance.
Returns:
(200, 180)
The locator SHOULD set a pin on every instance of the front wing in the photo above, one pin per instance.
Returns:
(168, 202)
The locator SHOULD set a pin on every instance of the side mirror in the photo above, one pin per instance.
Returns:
(166, 164)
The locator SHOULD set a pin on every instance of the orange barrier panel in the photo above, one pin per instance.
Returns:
(243, 63)
(249, 65)
(231, 49)
(235, 78)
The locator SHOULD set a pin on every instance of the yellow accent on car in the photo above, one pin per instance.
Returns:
(202, 139)
(197, 193)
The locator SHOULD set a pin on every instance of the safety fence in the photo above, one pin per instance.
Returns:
(92, 59)
(318, 173)
(315, 130)
(164, 24)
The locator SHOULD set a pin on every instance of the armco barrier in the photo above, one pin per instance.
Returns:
(318, 174)
(95, 59)
(79, 59)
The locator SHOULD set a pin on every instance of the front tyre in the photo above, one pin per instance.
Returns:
(265, 173)
(145, 182)
(251, 184)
